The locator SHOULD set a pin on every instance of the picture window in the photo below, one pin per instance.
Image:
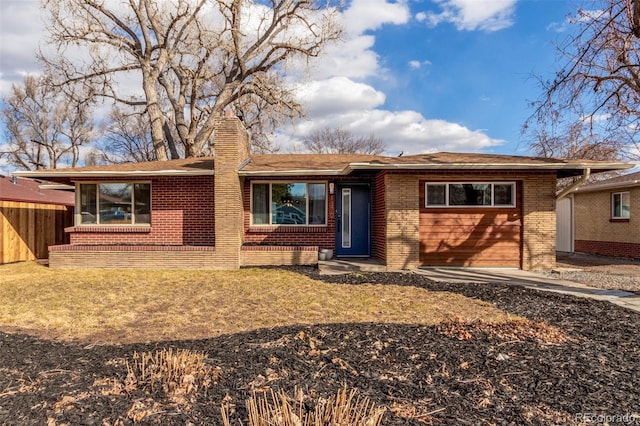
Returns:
(470, 194)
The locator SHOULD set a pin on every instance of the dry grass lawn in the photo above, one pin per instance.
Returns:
(125, 306)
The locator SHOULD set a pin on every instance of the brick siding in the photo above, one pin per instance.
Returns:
(609, 248)
(312, 235)
(592, 213)
(191, 230)
(182, 214)
(128, 257)
(278, 255)
(279, 235)
(597, 233)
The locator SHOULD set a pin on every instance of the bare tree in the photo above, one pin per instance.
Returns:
(340, 141)
(126, 139)
(44, 128)
(592, 106)
(192, 58)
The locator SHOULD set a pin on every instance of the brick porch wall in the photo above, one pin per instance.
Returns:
(402, 214)
(278, 255)
(133, 257)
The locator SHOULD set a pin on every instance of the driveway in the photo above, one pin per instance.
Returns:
(596, 277)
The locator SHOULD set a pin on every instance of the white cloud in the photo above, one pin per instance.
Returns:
(363, 15)
(353, 57)
(558, 27)
(415, 64)
(338, 95)
(334, 89)
(402, 131)
(21, 33)
(472, 15)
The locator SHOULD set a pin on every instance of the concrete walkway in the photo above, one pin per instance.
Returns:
(531, 280)
(508, 276)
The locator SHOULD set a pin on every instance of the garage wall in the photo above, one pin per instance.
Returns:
(523, 236)
(479, 237)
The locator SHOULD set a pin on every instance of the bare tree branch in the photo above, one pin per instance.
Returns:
(340, 141)
(194, 58)
(591, 108)
(44, 128)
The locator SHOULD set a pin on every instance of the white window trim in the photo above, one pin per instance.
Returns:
(78, 213)
(613, 205)
(492, 205)
(306, 182)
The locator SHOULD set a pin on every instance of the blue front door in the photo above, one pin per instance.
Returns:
(353, 235)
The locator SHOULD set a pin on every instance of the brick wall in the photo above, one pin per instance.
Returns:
(402, 220)
(278, 255)
(187, 222)
(231, 149)
(539, 221)
(609, 248)
(402, 214)
(593, 218)
(597, 233)
(321, 236)
(131, 257)
(182, 214)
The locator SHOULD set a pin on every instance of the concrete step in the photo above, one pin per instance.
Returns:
(345, 266)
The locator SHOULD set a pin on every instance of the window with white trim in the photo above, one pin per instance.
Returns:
(470, 194)
(620, 205)
(288, 203)
(114, 203)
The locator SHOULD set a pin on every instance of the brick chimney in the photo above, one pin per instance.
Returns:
(231, 144)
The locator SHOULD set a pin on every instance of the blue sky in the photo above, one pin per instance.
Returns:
(425, 75)
(478, 78)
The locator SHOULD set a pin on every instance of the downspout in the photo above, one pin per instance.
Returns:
(586, 174)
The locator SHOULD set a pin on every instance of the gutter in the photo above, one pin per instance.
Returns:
(603, 187)
(586, 174)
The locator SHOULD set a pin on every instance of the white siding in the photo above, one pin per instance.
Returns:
(564, 224)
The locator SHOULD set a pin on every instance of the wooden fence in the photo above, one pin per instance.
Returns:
(28, 229)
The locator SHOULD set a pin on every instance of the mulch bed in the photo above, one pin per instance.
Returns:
(577, 356)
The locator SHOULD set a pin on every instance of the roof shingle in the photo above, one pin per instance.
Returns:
(29, 191)
(331, 164)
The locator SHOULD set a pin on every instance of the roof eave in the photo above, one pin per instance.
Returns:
(605, 187)
(48, 174)
(266, 173)
(491, 166)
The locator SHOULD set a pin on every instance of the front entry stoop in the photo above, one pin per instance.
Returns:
(347, 265)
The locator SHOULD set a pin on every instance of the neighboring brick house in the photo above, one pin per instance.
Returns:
(606, 217)
(237, 209)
